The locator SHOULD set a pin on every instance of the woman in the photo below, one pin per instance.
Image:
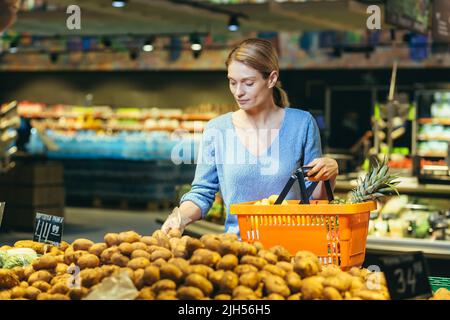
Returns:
(250, 154)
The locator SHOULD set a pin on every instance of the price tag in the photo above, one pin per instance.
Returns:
(406, 275)
(2, 208)
(48, 229)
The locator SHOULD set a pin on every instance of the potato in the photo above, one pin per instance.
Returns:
(149, 241)
(222, 297)
(296, 296)
(89, 277)
(294, 282)
(163, 285)
(5, 295)
(82, 244)
(275, 270)
(129, 236)
(368, 295)
(215, 277)
(24, 284)
(330, 293)
(41, 275)
(97, 248)
(40, 248)
(357, 284)
(312, 288)
(258, 245)
(107, 254)
(275, 296)
(250, 279)
(60, 258)
(140, 254)
(138, 263)
(268, 256)
(27, 271)
(210, 242)
(139, 246)
(172, 272)
(255, 261)
(342, 282)
(196, 280)
(61, 288)
(63, 278)
(19, 272)
(244, 268)
(281, 253)
(45, 262)
(88, 261)
(146, 294)
(162, 253)
(111, 239)
(162, 238)
(78, 293)
(246, 249)
(17, 292)
(202, 270)
(228, 236)
(307, 267)
(5, 248)
(180, 252)
(330, 270)
(193, 244)
(228, 262)
(151, 275)
(61, 268)
(182, 264)
(126, 248)
(174, 233)
(286, 266)
(228, 282)
(167, 295)
(159, 262)
(42, 286)
(229, 247)
(205, 257)
(241, 291)
(129, 271)
(190, 293)
(48, 296)
(72, 256)
(63, 246)
(276, 284)
(119, 259)
(31, 293)
(139, 279)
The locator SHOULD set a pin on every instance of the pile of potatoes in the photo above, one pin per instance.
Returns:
(165, 267)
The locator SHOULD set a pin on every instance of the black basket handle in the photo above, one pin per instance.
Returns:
(299, 175)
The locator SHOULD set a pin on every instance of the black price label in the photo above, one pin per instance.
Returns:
(406, 275)
(2, 208)
(48, 229)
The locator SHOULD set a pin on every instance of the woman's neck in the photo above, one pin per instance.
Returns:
(262, 117)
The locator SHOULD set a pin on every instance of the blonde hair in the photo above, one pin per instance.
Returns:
(260, 55)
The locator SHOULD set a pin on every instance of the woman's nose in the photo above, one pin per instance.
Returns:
(239, 91)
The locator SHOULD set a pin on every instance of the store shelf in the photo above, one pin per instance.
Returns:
(439, 121)
(411, 187)
(431, 138)
(431, 248)
(433, 154)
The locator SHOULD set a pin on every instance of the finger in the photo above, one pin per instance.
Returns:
(317, 177)
(313, 163)
(315, 169)
(321, 175)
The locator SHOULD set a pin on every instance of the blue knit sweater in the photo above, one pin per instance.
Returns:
(224, 164)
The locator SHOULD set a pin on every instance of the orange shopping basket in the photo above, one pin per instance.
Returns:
(336, 233)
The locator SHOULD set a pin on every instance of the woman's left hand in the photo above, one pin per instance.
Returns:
(323, 169)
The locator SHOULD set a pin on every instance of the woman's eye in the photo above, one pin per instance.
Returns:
(232, 83)
(249, 84)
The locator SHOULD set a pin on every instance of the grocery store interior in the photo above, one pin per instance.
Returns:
(102, 113)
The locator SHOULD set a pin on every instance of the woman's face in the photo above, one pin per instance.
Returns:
(249, 88)
(8, 10)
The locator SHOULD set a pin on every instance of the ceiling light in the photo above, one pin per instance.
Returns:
(196, 44)
(119, 3)
(233, 24)
(148, 45)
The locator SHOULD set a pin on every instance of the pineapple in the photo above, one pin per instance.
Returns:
(376, 184)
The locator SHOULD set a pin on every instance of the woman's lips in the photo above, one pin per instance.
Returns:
(242, 101)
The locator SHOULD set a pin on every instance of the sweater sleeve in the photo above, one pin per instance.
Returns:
(312, 148)
(206, 182)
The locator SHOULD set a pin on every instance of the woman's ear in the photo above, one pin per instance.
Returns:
(273, 78)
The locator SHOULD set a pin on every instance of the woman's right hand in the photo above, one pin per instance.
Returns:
(175, 221)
